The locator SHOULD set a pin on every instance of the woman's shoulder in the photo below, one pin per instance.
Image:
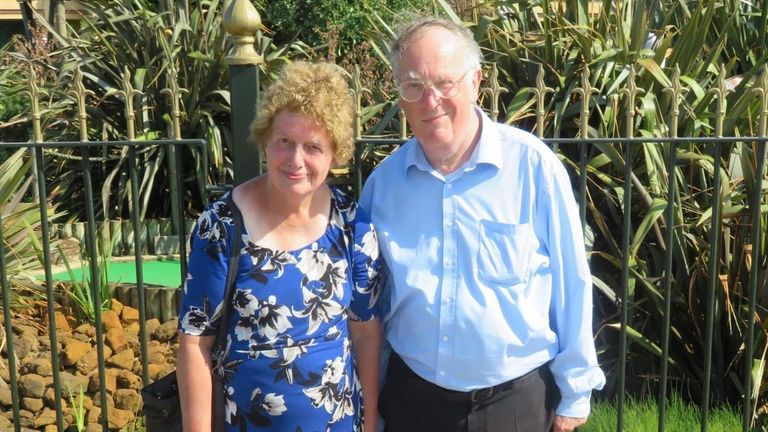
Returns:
(347, 207)
(220, 209)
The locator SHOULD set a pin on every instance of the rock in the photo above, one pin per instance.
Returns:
(32, 385)
(74, 351)
(128, 380)
(167, 331)
(97, 401)
(86, 329)
(6, 398)
(127, 399)
(25, 330)
(130, 315)
(110, 320)
(72, 384)
(93, 416)
(51, 428)
(44, 342)
(157, 371)
(91, 360)
(119, 418)
(152, 325)
(116, 339)
(157, 354)
(122, 360)
(135, 344)
(47, 417)
(32, 404)
(110, 380)
(62, 325)
(5, 424)
(40, 366)
(24, 344)
(93, 427)
(82, 338)
(116, 306)
(132, 329)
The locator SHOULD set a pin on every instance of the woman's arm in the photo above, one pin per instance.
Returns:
(366, 343)
(193, 371)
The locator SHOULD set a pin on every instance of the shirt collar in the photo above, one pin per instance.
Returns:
(487, 151)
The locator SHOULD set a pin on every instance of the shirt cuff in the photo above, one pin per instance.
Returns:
(576, 406)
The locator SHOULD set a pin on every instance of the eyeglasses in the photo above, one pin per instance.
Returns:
(413, 90)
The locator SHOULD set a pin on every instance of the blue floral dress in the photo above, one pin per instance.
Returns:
(288, 364)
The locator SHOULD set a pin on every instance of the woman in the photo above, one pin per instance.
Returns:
(307, 281)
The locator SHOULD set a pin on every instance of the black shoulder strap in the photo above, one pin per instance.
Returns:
(234, 261)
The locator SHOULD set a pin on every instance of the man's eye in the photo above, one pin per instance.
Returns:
(413, 85)
(444, 85)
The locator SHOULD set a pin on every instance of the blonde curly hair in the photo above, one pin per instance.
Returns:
(318, 90)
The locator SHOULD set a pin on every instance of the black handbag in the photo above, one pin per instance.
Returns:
(161, 405)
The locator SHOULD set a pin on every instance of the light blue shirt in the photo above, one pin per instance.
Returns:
(488, 276)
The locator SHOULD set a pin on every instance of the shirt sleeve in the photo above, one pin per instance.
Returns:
(575, 365)
(366, 269)
(207, 269)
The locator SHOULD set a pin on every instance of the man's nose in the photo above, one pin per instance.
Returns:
(431, 96)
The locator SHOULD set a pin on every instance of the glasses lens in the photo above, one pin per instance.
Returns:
(447, 88)
(411, 91)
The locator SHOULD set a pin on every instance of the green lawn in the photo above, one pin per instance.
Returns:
(644, 417)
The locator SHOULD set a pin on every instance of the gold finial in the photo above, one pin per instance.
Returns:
(242, 21)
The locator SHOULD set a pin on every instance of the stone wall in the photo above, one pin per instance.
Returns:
(78, 361)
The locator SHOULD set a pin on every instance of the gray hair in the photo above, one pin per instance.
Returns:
(408, 33)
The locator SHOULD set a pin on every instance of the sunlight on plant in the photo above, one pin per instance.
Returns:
(77, 409)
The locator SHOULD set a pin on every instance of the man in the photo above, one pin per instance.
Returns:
(488, 306)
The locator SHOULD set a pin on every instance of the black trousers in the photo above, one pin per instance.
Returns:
(408, 403)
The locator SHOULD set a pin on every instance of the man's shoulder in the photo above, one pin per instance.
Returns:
(529, 143)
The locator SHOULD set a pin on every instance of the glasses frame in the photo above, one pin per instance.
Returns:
(429, 83)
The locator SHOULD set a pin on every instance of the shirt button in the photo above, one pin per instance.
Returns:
(442, 373)
(449, 185)
(445, 338)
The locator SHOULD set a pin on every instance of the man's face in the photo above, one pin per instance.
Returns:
(438, 55)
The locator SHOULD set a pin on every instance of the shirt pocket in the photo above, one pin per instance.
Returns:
(504, 252)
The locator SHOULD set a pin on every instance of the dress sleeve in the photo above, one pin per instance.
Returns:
(366, 269)
(206, 272)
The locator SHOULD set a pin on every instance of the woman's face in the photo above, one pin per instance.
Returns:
(299, 154)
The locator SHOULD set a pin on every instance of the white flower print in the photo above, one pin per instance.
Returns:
(370, 245)
(230, 408)
(313, 262)
(195, 321)
(244, 327)
(344, 407)
(256, 348)
(246, 303)
(186, 281)
(318, 309)
(274, 404)
(333, 370)
(273, 319)
(223, 211)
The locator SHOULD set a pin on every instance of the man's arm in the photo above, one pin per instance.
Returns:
(575, 365)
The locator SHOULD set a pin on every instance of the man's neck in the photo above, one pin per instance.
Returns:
(452, 158)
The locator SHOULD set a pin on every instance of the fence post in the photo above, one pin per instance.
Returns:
(242, 21)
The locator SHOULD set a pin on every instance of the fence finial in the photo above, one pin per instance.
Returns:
(242, 21)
